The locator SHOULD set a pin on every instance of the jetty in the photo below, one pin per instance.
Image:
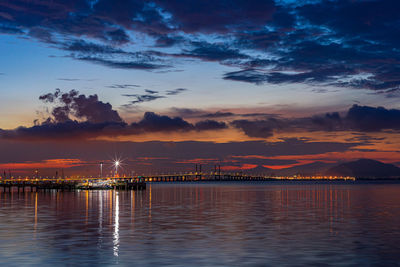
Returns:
(46, 184)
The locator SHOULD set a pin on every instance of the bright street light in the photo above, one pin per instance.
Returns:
(116, 163)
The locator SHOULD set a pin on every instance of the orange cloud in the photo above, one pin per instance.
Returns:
(279, 167)
(198, 161)
(237, 168)
(49, 163)
(151, 158)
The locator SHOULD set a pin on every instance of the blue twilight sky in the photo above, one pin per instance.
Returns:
(215, 71)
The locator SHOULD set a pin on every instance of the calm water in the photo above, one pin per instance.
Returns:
(211, 224)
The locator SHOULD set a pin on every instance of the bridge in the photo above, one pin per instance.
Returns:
(139, 182)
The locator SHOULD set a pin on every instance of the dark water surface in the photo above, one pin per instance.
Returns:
(209, 224)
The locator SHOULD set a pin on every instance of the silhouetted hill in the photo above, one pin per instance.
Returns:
(314, 168)
(366, 168)
(260, 170)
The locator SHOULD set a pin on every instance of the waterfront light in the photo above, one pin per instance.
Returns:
(116, 164)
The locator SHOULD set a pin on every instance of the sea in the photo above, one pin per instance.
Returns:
(288, 223)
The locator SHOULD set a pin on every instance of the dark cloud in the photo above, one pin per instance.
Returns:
(113, 57)
(151, 91)
(176, 91)
(141, 65)
(363, 119)
(324, 74)
(85, 47)
(150, 95)
(153, 122)
(123, 86)
(75, 130)
(360, 118)
(258, 128)
(76, 18)
(187, 112)
(371, 119)
(218, 16)
(213, 52)
(143, 98)
(198, 113)
(77, 116)
(118, 36)
(41, 34)
(67, 129)
(10, 30)
(73, 105)
(248, 75)
(69, 79)
(168, 41)
(210, 125)
(218, 114)
(342, 43)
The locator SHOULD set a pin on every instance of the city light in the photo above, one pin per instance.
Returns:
(116, 164)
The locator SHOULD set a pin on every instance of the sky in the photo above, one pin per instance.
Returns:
(278, 86)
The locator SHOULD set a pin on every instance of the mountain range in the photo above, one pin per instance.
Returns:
(362, 168)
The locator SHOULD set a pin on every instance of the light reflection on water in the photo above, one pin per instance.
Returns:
(212, 224)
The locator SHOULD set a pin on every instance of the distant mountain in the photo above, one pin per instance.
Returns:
(365, 168)
(317, 167)
(314, 168)
(260, 170)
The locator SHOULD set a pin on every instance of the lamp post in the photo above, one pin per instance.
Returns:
(116, 163)
(101, 169)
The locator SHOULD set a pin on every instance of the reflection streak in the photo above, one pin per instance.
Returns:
(116, 226)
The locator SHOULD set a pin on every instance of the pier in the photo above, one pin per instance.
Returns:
(37, 185)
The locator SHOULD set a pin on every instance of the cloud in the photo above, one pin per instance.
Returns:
(150, 95)
(123, 86)
(222, 16)
(151, 91)
(219, 114)
(213, 52)
(323, 74)
(210, 125)
(74, 105)
(198, 113)
(371, 119)
(141, 65)
(75, 115)
(152, 122)
(176, 91)
(63, 130)
(143, 98)
(187, 112)
(168, 41)
(363, 119)
(10, 30)
(44, 164)
(69, 79)
(74, 130)
(82, 46)
(309, 42)
(258, 128)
